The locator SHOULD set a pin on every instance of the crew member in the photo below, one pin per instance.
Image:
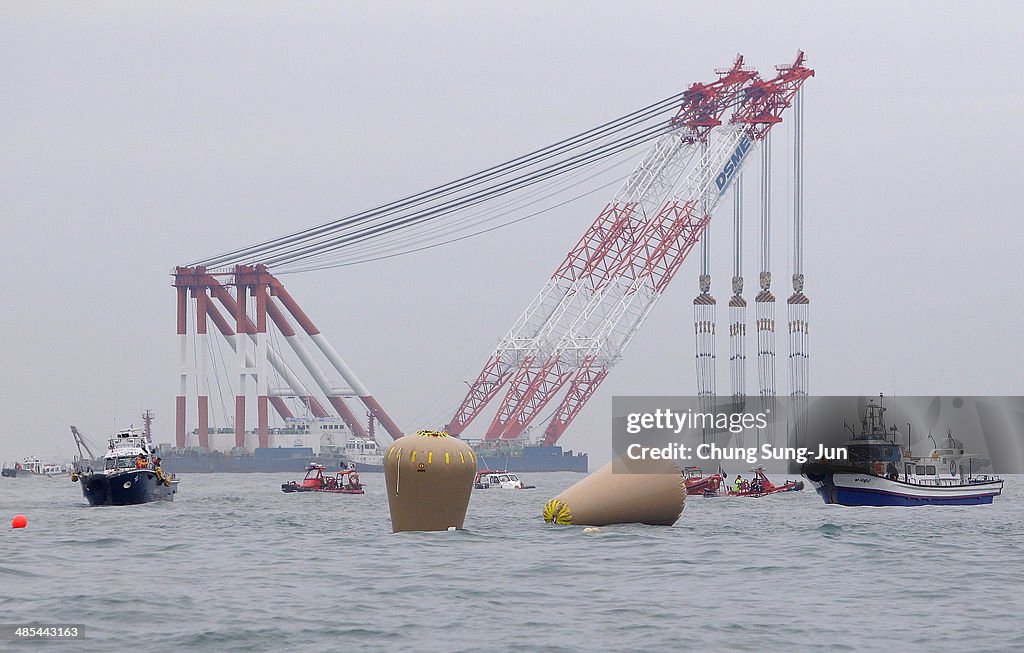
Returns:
(140, 462)
(738, 483)
(891, 471)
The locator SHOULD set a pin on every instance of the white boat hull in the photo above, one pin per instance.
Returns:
(861, 489)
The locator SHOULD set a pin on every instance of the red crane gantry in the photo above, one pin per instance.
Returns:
(585, 315)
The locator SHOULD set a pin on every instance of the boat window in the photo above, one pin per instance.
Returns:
(931, 469)
(513, 477)
(493, 479)
(111, 463)
(503, 478)
(920, 469)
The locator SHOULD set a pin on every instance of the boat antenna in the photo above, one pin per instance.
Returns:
(147, 419)
(910, 447)
(848, 428)
(933, 440)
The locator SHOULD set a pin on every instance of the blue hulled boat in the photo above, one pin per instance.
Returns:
(878, 472)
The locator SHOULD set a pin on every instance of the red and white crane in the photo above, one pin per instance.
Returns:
(578, 325)
(607, 316)
(598, 256)
(255, 355)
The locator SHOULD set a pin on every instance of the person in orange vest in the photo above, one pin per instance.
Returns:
(140, 462)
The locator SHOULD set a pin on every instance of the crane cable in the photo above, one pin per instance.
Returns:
(278, 249)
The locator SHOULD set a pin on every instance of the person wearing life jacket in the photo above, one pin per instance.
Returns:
(140, 462)
(737, 484)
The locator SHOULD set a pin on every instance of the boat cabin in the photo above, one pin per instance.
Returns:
(124, 449)
(693, 472)
(314, 476)
(496, 479)
(363, 452)
(945, 465)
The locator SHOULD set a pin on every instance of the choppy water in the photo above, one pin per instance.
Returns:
(234, 564)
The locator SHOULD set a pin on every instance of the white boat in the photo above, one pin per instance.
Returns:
(32, 466)
(499, 479)
(880, 473)
(364, 454)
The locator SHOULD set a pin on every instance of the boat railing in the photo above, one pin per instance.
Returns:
(956, 482)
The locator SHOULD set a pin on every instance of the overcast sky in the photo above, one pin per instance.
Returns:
(139, 136)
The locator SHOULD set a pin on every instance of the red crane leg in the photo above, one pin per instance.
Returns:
(242, 325)
(278, 317)
(202, 398)
(179, 401)
(543, 388)
(491, 379)
(328, 351)
(346, 414)
(518, 388)
(584, 384)
(282, 408)
(262, 416)
(277, 402)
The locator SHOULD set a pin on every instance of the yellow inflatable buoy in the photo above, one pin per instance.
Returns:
(429, 478)
(651, 492)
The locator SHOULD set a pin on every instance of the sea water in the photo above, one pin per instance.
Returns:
(234, 564)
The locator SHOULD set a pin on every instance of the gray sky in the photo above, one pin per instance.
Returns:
(139, 136)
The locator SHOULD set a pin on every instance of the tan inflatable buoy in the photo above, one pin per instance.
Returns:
(429, 477)
(651, 492)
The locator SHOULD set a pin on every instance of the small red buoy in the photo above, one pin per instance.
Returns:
(19, 521)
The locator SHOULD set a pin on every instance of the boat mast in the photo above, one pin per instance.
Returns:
(147, 420)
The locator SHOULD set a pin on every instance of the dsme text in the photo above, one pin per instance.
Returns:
(730, 169)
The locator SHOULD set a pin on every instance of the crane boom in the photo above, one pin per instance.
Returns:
(597, 257)
(597, 341)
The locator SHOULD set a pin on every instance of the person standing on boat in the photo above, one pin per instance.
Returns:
(737, 484)
(140, 463)
(891, 471)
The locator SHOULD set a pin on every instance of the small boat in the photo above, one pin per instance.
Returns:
(760, 486)
(364, 452)
(699, 485)
(346, 481)
(32, 466)
(131, 473)
(500, 479)
(878, 472)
